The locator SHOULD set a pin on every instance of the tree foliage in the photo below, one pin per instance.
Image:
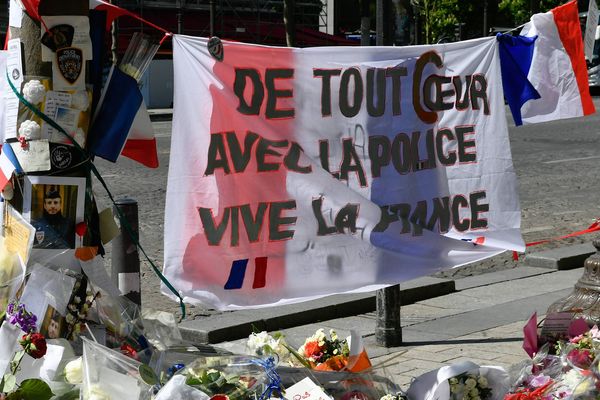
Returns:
(440, 18)
(520, 10)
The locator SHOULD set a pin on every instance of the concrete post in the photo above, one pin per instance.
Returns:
(388, 332)
(125, 257)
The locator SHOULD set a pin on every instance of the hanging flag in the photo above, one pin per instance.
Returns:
(141, 143)
(516, 55)
(558, 69)
(8, 165)
(122, 116)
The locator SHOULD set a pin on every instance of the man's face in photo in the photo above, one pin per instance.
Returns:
(52, 206)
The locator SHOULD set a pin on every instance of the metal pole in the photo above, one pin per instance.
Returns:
(212, 12)
(379, 22)
(485, 18)
(125, 257)
(388, 331)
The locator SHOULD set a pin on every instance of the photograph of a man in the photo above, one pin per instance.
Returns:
(53, 229)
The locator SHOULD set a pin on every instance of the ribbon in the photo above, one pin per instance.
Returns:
(93, 169)
(592, 228)
(274, 380)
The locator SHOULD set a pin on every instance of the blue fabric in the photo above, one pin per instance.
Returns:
(10, 154)
(516, 54)
(115, 116)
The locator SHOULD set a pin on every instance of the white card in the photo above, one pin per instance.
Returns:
(53, 100)
(16, 14)
(306, 389)
(34, 157)
(14, 64)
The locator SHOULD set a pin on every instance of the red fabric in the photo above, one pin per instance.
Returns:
(142, 151)
(566, 18)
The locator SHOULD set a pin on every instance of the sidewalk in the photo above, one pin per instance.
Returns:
(478, 318)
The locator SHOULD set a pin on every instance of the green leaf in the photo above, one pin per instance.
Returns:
(32, 389)
(9, 381)
(148, 375)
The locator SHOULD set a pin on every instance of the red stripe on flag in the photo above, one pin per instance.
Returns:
(566, 18)
(260, 273)
(142, 151)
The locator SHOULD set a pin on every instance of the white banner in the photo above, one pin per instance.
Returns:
(299, 173)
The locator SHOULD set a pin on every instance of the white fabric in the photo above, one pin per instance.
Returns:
(551, 74)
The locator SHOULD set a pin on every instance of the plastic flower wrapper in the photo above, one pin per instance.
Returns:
(167, 362)
(12, 274)
(237, 377)
(372, 384)
(176, 389)
(461, 380)
(108, 374)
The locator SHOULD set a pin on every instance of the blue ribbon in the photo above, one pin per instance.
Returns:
(274, 380)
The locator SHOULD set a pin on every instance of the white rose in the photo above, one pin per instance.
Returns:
(74, 371)
(34, 91)
(30, 130)
(482, 381)
(80, 100)
(470, 383)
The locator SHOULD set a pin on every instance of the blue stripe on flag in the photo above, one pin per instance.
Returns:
(111, 125)
(10, 154)
(516, 54)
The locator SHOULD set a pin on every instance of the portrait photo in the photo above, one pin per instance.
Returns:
(53, 324)
(53, 206)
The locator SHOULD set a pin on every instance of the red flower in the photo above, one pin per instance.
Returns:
(34, 344)
(128, 350)
(581, 358)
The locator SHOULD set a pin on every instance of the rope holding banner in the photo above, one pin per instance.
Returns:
(93, 169)
(594, 227)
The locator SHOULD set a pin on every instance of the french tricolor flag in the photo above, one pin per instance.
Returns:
(122, 124)
(557, 68)
(8, 165)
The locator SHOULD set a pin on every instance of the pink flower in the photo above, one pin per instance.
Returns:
(539, 380)
(595, 332)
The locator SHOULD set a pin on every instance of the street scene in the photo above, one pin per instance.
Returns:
(284, 199)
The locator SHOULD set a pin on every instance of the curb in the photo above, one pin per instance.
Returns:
(233, 325)
(562, 258)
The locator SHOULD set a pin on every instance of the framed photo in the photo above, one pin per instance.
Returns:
(54, 206)
(53, 325)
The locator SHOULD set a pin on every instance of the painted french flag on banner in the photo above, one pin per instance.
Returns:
(558, 70)
(8, 165)
(122, 124)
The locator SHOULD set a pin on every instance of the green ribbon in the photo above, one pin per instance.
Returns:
(93, 168)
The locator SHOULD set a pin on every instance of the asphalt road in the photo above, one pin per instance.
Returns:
(557, 165)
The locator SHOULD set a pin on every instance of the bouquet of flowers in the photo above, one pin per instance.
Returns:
(469, 385)
(461, 381)
(324, 353)
(237, 377)
(262, 344)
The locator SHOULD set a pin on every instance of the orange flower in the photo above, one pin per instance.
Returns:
(312, 349)
(335, 363)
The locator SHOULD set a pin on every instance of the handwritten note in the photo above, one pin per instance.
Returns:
(306, 389)
(18, 234)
